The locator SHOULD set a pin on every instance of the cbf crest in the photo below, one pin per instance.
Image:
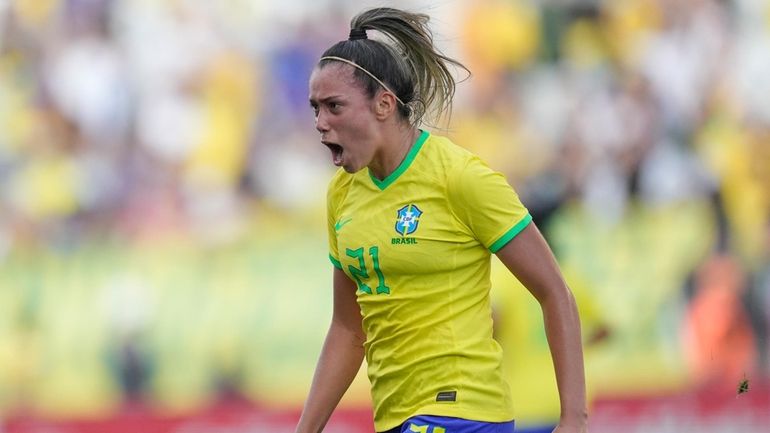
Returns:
(408, 218)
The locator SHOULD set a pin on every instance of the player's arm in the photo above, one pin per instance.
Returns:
(341, 357)
(530, 259)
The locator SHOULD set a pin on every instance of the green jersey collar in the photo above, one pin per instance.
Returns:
(382, 184)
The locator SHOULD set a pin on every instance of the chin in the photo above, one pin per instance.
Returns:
(352, 168)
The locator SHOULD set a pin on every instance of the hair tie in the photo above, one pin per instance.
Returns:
(356, 34)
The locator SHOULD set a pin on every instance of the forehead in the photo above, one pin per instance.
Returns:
(334, 78)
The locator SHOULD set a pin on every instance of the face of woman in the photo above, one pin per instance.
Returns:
(344, 115)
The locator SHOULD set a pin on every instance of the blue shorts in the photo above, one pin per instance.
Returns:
(445, 424)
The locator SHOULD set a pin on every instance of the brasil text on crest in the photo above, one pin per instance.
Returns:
(407, 221)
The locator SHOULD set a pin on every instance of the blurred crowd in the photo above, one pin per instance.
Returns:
(636, 131)
(638, 134)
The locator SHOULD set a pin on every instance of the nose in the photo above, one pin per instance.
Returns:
(320, 123)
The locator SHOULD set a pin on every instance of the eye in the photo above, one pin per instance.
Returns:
(333, 106)
(315, 109)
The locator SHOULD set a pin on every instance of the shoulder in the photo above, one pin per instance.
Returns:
(444, 149)
(458, 163)
(338, 186)
(340, 179)
(445, 158)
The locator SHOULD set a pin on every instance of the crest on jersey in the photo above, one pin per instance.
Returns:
(407, 220)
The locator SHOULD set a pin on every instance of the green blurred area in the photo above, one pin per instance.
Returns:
(250, 315)
(627, 282)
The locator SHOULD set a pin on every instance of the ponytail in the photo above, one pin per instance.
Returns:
(407, 64)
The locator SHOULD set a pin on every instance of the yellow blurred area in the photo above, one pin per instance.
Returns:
(229, 103)
(162, 221)
(584, 44)
(46, 187)
(526, 357)
(17, 119)
(629, 22)
(499, 35)
(256, 310)
(625, 281)
(741, 158)
(36, 13)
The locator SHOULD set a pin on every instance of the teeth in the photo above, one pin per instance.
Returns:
(337, 151)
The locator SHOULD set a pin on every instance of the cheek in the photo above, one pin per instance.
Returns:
(356, 124)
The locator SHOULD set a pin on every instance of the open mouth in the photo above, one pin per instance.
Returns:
(336, 150)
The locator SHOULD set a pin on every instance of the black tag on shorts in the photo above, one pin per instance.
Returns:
(446, 396)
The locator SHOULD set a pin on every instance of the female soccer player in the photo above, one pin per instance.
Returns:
(412, 221)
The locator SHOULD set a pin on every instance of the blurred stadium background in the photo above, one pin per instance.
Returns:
(162, 247)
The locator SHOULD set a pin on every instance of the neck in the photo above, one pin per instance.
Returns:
(393, 152)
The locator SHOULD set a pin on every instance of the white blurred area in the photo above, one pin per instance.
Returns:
(185, 108)
(162, 188)
(192, 109)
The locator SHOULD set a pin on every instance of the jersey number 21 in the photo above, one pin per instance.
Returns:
(360, 273)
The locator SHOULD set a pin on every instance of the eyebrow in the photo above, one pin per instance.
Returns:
(325, 100)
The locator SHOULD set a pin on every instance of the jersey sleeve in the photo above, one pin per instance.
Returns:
(333, 197)
(486, 204)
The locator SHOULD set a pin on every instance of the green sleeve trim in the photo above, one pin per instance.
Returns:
(335, 262)
(510, 234)
(382, 184)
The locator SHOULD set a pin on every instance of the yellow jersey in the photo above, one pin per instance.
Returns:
(418, 245)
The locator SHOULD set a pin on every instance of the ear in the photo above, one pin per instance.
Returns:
(385, 104)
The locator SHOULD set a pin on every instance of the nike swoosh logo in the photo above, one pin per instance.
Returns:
(338, 225)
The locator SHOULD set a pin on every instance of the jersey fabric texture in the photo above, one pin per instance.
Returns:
(418, 246)
(443, 424)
